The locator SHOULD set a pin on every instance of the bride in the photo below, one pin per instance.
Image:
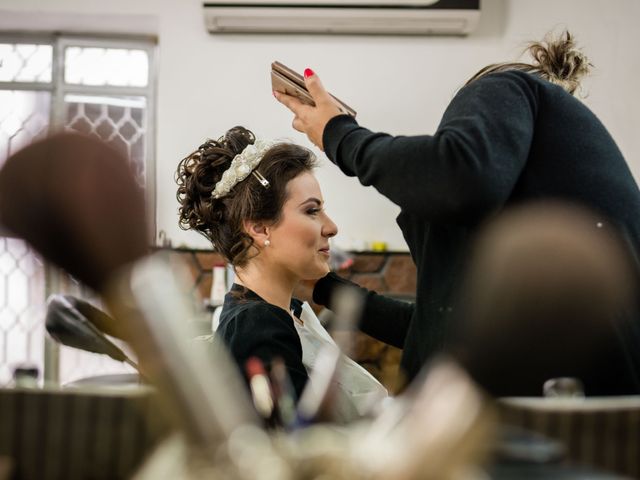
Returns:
(261, 207)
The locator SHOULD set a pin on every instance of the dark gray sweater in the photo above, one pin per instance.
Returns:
(507, 138)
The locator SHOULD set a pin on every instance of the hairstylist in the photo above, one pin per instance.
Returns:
(514, 133)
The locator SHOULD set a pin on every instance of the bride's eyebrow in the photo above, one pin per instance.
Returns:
(312, 199)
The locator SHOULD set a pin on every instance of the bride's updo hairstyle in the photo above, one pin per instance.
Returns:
(221, 219)
(556, 59)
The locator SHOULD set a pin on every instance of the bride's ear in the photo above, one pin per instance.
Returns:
(258, 231)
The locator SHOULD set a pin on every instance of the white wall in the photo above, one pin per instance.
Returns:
(207, 84)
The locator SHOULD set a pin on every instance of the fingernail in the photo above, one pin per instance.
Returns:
(275, 94)
(308, 73)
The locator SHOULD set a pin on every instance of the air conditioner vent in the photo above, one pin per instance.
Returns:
(350, 17)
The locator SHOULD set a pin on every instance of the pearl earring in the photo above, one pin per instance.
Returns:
(267, 243)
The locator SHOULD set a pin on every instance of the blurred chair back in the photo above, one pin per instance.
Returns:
(601, 432)
(77, 433)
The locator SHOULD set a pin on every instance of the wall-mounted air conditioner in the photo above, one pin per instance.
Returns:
(391, 17)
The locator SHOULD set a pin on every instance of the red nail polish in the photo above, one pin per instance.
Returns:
(308, 73)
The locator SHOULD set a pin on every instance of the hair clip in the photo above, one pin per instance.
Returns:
(263, 181)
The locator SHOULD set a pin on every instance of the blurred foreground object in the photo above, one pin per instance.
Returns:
(199, 386)
(552, 292)
(70, 321)
(79, 205)
(76, 201)
(443, 430)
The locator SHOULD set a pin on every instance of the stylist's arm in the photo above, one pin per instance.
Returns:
(307, 119)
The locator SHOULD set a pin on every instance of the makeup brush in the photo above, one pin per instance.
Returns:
(75, 200)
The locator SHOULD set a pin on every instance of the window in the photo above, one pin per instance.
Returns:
(102, 87)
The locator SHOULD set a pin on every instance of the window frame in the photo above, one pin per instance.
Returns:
(58, 89)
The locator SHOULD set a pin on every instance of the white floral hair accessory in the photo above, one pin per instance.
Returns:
(242, 165)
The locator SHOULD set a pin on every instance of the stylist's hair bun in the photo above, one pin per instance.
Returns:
(556, 59)
(560, 61)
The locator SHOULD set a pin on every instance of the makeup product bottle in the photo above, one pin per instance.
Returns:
(261, 392)
(218, 285)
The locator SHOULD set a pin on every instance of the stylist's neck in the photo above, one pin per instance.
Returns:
(272, 284)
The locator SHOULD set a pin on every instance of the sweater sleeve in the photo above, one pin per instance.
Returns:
(384, 318)
(469, 166)
(266, 332)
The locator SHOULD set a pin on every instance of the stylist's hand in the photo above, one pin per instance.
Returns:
(311, 120)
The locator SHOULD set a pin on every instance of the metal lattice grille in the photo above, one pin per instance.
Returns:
(24, 117)
(118, 121)
(23, 62)
(99, 87)
(22, 291)
(106, 66)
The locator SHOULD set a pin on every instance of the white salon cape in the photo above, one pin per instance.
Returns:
(357, 390)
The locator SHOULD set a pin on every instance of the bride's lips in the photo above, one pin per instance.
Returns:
(324, 251)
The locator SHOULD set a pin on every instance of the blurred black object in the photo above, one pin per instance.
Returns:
(551, 292)
(67, 321)
(77, 202)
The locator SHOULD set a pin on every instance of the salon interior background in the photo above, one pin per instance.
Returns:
(401, 85)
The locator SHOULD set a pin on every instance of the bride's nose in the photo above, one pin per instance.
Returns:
(329, 229)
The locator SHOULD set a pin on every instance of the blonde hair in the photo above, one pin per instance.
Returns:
(557, 60)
